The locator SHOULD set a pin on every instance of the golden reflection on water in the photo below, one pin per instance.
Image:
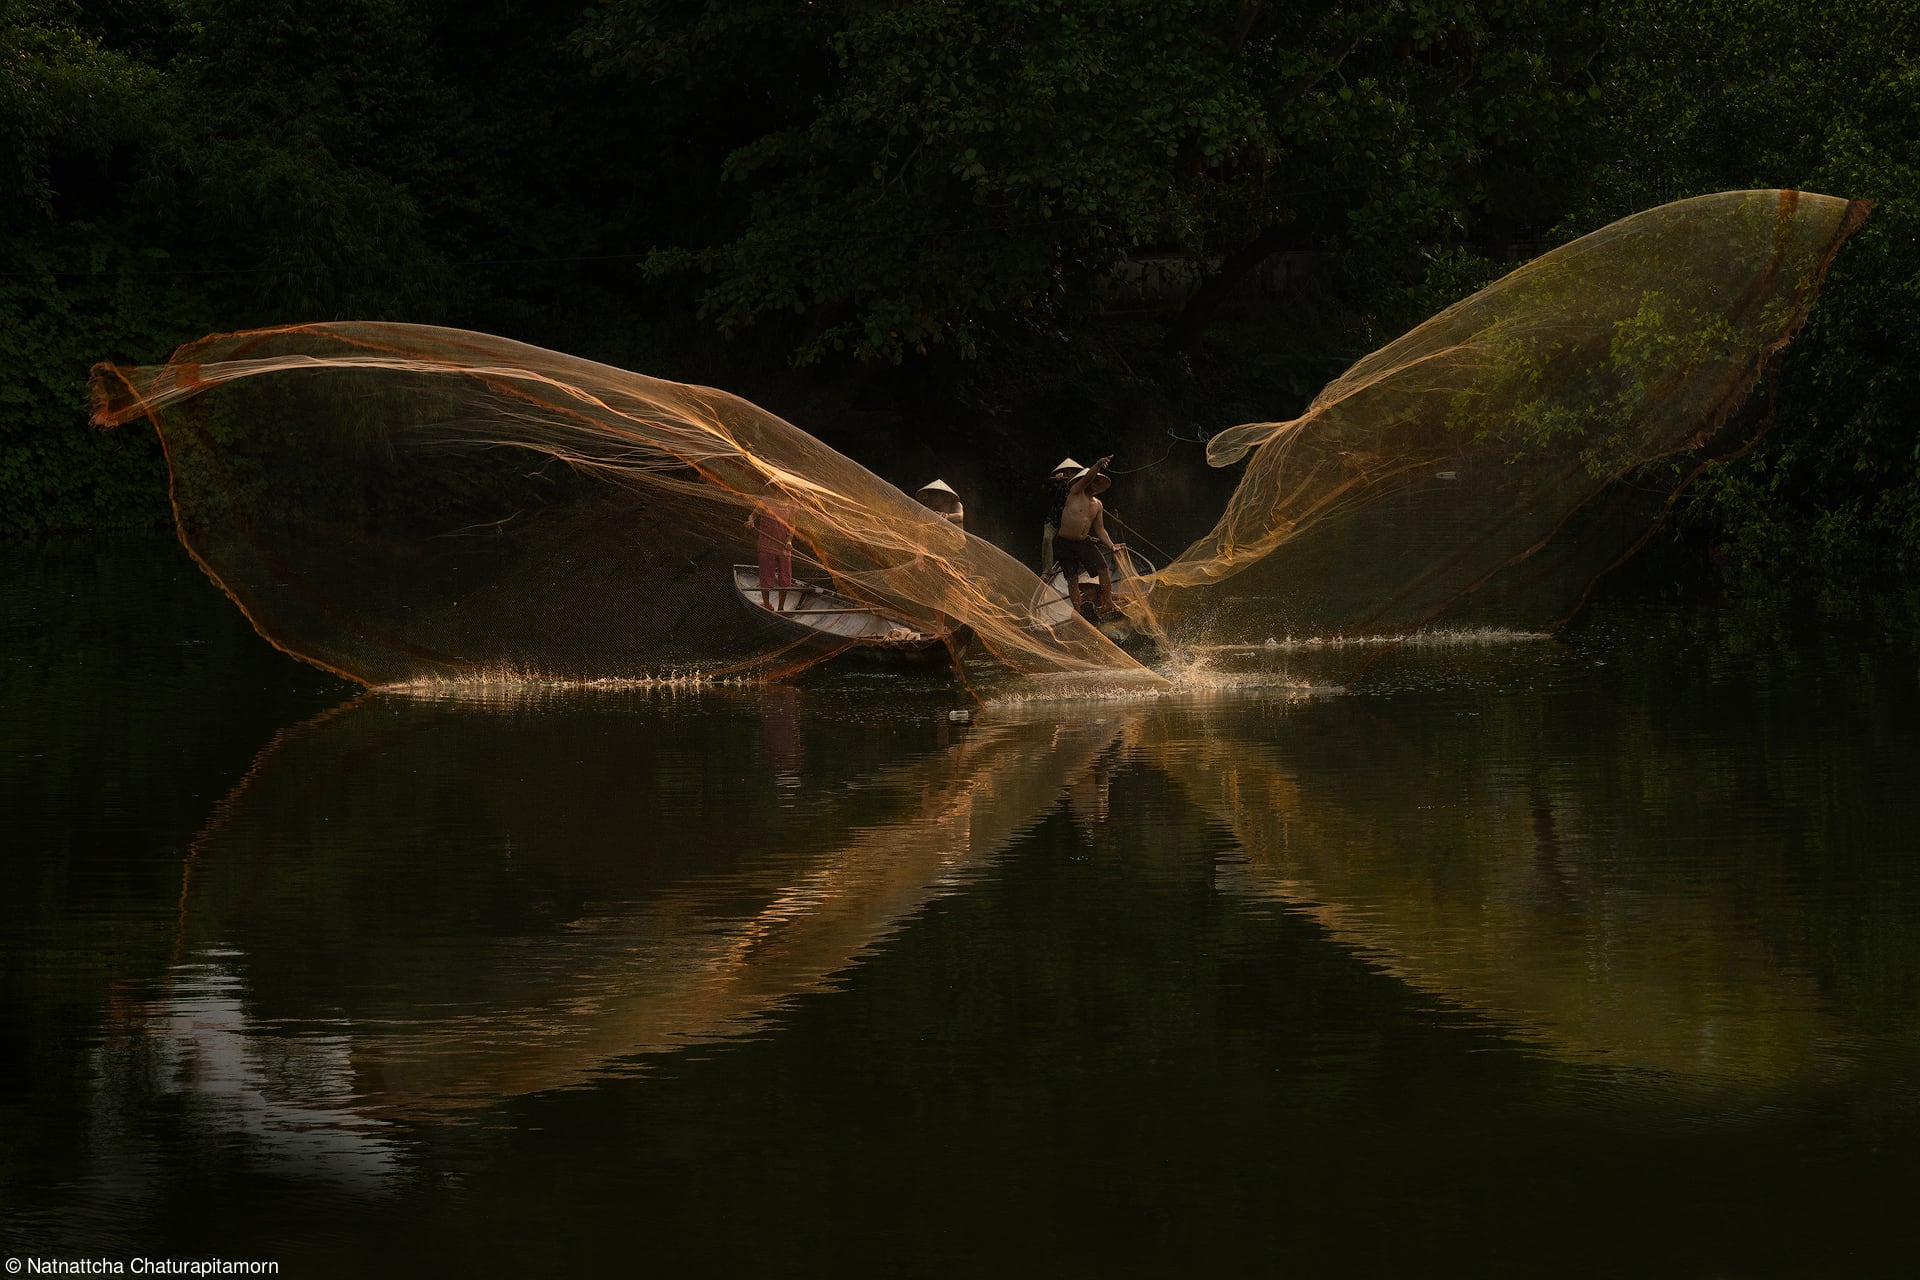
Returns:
(702, 957)
(1494, 895)
(727, 875)
(650, 977)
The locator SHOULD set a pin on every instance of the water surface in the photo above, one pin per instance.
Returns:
(1593, 956)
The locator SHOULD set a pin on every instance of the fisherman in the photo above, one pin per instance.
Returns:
(773, 519)
(938, 496)
(1056, 498)
(1083, 532)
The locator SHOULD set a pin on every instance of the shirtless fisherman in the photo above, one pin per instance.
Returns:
(1083, 531)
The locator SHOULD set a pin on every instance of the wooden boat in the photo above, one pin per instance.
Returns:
(1051, 605)
(827, 622)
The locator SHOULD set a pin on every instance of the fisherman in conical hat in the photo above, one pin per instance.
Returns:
(1056, 498)
(1083, 533)
(938, 495)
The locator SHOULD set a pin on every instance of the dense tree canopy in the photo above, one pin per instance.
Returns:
(1793, 93)
(724, 189)
(963, 163)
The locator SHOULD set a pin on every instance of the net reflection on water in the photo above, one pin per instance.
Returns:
(1500, 896)
(412, 911)
(710, 906)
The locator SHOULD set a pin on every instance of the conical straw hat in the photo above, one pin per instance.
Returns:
(1068, 464)
(1100, 482)
(936, 486)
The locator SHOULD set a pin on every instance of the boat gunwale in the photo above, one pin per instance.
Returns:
(920, 643)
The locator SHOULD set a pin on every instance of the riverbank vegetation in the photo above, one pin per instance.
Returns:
(992, 225)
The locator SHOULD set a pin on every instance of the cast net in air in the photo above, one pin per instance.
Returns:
(1486, 467)
(401, 503)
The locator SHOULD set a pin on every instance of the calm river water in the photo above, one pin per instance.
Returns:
(1597, 956)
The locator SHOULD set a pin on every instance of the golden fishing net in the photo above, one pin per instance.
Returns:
(1488, 466)
(401, 503)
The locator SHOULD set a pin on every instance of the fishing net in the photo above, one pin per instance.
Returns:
(400, 503)
(1485, 468)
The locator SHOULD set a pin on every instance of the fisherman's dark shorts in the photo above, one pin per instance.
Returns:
(1076, 554)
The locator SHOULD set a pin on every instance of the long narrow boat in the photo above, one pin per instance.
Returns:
(827, 622)
(1129, 573)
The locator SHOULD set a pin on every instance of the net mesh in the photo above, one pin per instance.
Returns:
(1485, 468)
(400, 503)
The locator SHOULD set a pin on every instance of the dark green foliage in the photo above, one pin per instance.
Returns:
(77, 282)
(941, 191)
(207, 166)
(1764, 93)
(968, 171)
